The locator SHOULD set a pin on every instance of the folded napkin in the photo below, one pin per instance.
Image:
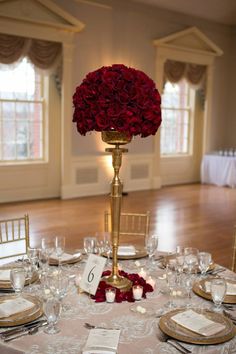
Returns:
(102, 341)
(197, 323)
(65, 257)
(12, 306)
(5, 274)
(126, 251)
(231, 288)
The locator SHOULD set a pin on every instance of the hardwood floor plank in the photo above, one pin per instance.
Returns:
(201, 216)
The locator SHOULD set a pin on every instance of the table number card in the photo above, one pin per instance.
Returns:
(92, 273)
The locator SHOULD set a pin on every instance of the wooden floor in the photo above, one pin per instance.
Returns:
(201, 216)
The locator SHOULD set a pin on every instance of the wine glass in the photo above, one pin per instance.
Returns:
(48, 246)
(17, 277)
(171, 279)
(151, 247)
(218, 291)
(89, 244)
(191, 258)
(180, 259)
(52, 310)
(59, 247)
(204, 262)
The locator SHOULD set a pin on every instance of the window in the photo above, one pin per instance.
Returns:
(176, 119)
(21, 113)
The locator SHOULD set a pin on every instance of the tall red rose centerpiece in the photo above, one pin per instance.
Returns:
(120, 102)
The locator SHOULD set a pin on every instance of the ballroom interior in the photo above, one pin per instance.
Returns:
(117, 229)
(72, 171)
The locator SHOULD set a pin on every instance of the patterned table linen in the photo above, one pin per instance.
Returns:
(139, 334)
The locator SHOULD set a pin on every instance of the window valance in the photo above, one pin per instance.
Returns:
(175, 71)
(44, 55)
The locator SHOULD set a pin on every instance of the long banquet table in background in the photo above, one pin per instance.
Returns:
(219, 170)
(139, 333)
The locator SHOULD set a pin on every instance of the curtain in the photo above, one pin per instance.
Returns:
(45, 55)
(175, 71)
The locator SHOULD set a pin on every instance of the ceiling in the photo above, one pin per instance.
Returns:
(221, 11)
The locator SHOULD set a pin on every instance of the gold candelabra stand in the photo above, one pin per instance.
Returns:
(116, 138)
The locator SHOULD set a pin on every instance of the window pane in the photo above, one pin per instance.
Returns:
(21, 113)
(176, 119)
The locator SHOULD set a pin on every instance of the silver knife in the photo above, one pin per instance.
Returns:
(24, 332)
(21, 330)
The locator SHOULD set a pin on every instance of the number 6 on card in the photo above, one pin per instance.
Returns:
(92, 273)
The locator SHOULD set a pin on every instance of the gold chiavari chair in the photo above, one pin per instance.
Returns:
(14, 237)
(131, 225)
(233, 267)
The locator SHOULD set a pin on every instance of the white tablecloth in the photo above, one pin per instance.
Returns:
(139, 334)
(219, 170)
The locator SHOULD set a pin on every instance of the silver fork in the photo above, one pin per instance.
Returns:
(90, 326)
(178, 346)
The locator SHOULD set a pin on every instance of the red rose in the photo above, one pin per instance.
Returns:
(111, 97)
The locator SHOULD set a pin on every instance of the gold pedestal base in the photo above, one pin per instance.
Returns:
(121, 283)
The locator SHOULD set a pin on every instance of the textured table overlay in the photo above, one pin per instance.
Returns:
(139, 333)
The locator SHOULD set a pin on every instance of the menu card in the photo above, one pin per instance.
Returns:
(12, 306)
(126, 250)
(197, 323)
(65, 257)
(231, 288)
(5, 274)
(102, 341)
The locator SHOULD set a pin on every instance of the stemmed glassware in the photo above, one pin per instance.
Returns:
(48, 247)
(52, 309)
(17, 277)
(151, 247)
(59, 247)
(171, 279)
(218, 291)
(191, 259)
(204, 262)
(89, 244)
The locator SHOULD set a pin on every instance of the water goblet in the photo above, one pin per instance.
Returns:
(180, 259)
(171, 279)
(48, 246)
(89, 244)
(218, 291)
(52, 310)
(59, 247)
(204, 262)
(151, 247)
(17, 277)
(191, 259)
(32, 254)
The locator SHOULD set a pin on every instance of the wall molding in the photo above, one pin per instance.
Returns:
(131, 164)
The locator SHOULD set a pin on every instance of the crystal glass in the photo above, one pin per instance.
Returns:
(29, 268)
(179, 259)
(89, 244)
(60, 242)
(17, 276)
(188, 280)
(48, 246)
(52, 310)
(171, 279)
(218, 291)
(191, 259)
(204, 262)
(32, 254)
(151, 246)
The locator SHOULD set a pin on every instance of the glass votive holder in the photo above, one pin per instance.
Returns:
(137, 292)
(110, 294)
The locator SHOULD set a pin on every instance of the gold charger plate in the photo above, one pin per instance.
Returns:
(77, 257)
(172, 329)
(199, 287)
(6, 284)
(22, 317)
(139, 253)
(168, 258)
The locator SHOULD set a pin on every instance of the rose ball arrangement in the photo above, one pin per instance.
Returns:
(117, 98)
(120, 296)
